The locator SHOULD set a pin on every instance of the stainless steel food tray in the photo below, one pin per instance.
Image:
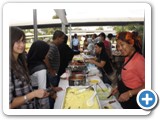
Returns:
(77, 67)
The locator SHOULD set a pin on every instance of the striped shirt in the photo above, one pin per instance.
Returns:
(19, 88)
(54, 57)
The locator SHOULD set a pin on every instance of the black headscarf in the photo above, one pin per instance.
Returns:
(37, 54)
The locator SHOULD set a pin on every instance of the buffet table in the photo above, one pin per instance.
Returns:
(94, 74)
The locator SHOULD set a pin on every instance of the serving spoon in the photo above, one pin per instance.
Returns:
(90, 101)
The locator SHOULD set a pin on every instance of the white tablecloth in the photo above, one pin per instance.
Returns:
(64, 84)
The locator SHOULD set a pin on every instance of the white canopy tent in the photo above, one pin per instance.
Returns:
(74, 14)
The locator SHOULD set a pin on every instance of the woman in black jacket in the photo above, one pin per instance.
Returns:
(103, 62)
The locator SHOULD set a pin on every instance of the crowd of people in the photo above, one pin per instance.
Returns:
(34, 77)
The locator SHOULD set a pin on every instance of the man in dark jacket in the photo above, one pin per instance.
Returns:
(66, 55)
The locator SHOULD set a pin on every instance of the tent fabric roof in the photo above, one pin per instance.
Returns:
(85, 22)
(75, 16)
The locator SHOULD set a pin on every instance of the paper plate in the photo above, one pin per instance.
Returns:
(64, 76)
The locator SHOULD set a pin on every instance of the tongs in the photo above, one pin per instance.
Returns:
(100, 87)
(109, 95)
(111, 92)
(104, 90)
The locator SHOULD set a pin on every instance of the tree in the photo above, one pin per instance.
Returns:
(99, 28)
(55, 17)
(131, 27)
(77, 28)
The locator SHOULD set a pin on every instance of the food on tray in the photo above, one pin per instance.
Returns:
(77, 66)
(76, 78)
(94, 81)
(77, 58)
(77, 63)
(103, 94)
(78, 100)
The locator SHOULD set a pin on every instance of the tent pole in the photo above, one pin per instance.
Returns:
(35, 24)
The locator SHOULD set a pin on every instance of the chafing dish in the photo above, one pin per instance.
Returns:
(77, 79)
(77, 66)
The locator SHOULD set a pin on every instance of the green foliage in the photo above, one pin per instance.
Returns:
(100, 28)
(130, 27)
(48, 31)
(77, 28)
(55, 17)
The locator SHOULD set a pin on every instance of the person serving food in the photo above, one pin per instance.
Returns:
(133, 70)
(102, 61)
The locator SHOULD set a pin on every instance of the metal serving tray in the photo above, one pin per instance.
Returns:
(77, 67)
(78, 100)
(77, 79)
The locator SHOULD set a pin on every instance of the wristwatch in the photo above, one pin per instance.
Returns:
(130, 94)
(26, 99)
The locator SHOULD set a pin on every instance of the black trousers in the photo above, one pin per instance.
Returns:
(131, 103)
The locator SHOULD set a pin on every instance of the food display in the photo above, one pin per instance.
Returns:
(77, 79)
(77, 63)
(77, 57)
(78, 100)
(103, 94)
(77, 66)
(94, 81)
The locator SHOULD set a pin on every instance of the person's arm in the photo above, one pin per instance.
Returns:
(100, 64)
(18, 101)
(49, 68)
(128, 94)
(135, 91)
(42, 78)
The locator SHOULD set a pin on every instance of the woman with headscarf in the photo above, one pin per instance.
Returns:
(38, 70)
(133, 70)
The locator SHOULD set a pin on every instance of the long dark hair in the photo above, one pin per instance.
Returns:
(15, 35)
(109, 63)
(101, 44)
